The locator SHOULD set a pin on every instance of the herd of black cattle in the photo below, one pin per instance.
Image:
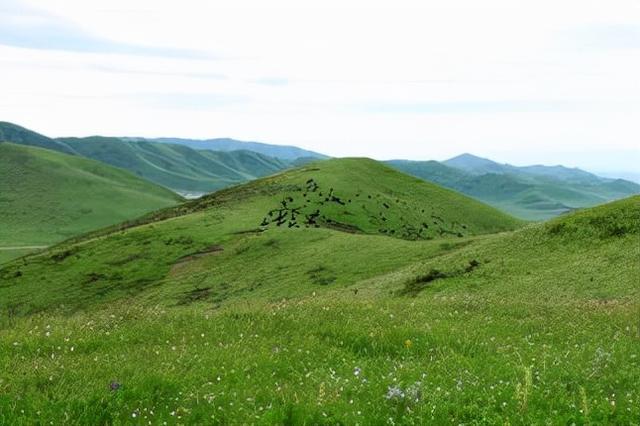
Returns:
(311, 211)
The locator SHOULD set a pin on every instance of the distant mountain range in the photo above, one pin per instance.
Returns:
(530, 192)
(225, 144)
(185, 170)
(179, 167)
(193, 167)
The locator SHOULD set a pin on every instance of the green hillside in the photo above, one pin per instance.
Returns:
(10, 132)
(201, 315)
(178, 167)
(46, 196)
(185, 167)
(530, 193)
(358, 196)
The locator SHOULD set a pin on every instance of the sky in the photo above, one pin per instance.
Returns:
(517, 81)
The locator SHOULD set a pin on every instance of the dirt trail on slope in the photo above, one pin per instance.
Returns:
(24, 248)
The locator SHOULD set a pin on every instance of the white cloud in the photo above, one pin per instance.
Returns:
(527, 81)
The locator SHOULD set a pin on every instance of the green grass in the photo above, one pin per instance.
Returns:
(46, 196)
(203, 316)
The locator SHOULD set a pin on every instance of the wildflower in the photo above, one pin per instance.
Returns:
(414, 392)
(357, 371)
(395, 393)
(408, 343)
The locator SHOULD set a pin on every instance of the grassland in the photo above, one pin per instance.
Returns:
(46, 196)
(205, 314)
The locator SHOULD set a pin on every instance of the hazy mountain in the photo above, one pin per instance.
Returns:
(530, 192)
(225, 144)
(178, 167)
(475, 165)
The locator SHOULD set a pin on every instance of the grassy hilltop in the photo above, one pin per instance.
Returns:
(269, 303)
(46, 196)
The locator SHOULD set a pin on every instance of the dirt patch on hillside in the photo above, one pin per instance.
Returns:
(181, 262)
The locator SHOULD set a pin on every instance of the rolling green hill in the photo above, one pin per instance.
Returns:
(356, 196)
(10, 132)
(190, 168)
(204, 314)
(531, 193)
(178, 167)
(46, 196)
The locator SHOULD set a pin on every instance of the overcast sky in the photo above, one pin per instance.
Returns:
(517, 81)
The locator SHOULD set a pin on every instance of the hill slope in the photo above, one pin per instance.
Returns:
(10, 132)
(46, 196)
(178, 167)
(533, 192)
